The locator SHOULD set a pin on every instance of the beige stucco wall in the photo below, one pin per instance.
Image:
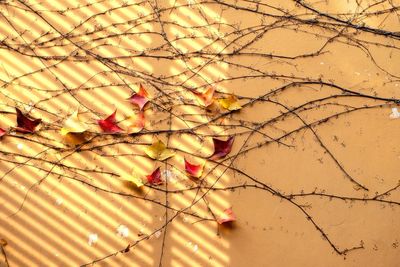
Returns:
(52, 197)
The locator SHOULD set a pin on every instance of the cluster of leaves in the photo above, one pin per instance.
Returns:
(158, 150)
(236, 46)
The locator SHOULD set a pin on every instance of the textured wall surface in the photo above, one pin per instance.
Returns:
(313, 174)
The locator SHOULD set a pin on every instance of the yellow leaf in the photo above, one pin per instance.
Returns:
(134, 178)
(74, 125)
(159, 151)
(230, 103)
(135, 123)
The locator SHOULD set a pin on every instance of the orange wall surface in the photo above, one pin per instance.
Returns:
(313, 174)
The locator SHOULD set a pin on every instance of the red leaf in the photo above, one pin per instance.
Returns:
(2, 132)
(155, 177)
(24, 124)
(140, 98)
(226, 216)
(193, 170)
(109, 125)
(222, 148)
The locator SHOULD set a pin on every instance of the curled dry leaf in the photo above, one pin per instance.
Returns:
(24, 124)
(230, 103)
(135, 179)
(2, 132)
(136, 123)
(193, 170)
(140, 98)
(226, 216)
(155, 177)
(109, 124)
(159, 151)
(205, 98)
(74, 125)
(222, 148)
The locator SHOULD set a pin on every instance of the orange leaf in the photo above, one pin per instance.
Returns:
(136, 123)
(140, 98)
(193, 170)
(226, 216)
(205, 98)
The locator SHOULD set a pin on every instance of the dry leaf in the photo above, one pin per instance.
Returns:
(159, 151)
(135, 179)
(136, 123)
(74, 125)
(140, 98)
(205, 98)
(155, 177)
(226, 216)
(24, 124)
(222, 148)
(75, 138)
(109, 124)
(2, 132)
(193, 170)
(230, 103)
